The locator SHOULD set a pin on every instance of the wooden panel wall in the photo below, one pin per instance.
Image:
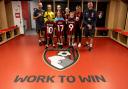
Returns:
(9, 13)
(117, 11)
(126, 27)
(3, 19)
(122, 13)
(111, 14)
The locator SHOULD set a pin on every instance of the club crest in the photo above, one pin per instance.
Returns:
(60, 58)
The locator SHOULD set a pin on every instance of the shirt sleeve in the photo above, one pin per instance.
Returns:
(35, 13)
(53, 15)
(84, 18)
(94, 18)
(45, 16)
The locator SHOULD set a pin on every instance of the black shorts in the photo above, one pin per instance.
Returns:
(40, 29)
(89, 32)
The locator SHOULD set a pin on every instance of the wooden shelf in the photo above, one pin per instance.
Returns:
(117, 35)
(102, 32)
(120, 36)
(8, 34)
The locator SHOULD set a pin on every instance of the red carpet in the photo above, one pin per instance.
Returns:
(22, 56)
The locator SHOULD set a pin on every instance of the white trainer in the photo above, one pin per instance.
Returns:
(79, 45)
(74, 44)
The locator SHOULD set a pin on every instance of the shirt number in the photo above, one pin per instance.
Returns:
(60, 27)
(71, 26)
(49, 30)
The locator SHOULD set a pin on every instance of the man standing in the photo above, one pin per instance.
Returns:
(89, 21)
(39, 18)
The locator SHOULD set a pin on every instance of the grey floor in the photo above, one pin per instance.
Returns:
(31, 32)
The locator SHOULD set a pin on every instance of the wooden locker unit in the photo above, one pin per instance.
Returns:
(123, 39)
(102, 32)
(3, 37)
(120, 36)
(12, 31)
(114, 35)
(7, 30)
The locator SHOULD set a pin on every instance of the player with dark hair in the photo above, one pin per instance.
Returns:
(78, 31)
(66, 16)
(89, 21)
(67, 13)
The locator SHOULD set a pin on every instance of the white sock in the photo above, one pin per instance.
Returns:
(39, 40)
(90, 45)
(87, 42)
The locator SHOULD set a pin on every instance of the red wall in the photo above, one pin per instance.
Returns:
(26, 13)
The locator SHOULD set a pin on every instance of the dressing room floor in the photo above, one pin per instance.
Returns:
(22, 56)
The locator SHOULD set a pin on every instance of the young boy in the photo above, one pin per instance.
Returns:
(49, 31)
(59, 20)
(71, 28)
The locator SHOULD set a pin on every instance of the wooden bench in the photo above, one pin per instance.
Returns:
(102, 32)
(8, 34)
(120, 36)
(115, 33)
(123, 38)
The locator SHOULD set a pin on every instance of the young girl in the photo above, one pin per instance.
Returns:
(49, 31)
(66, 16)
(59, 20)
(71, 28)
(78, 30)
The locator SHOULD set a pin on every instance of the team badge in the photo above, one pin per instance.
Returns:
(60, 58)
